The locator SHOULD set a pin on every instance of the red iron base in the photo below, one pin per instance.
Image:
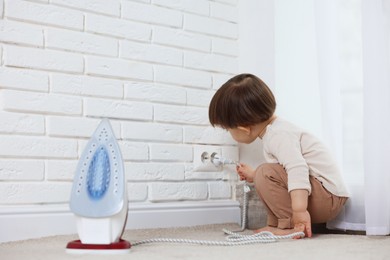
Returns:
(120, 247)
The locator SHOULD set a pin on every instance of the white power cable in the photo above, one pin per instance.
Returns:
(233, 238)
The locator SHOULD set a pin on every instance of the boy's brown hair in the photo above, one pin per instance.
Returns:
(243, 100)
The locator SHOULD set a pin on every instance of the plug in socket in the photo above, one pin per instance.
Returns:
(202, 158)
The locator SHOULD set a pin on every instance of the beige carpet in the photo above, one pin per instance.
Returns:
(318, 247)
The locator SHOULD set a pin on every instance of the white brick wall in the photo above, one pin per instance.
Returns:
(14, 78)
(111, 7)
(154, 172)
(155, 93)
(18, 123)
(220, 190)
(42, 59)
(172, 191)
(210, 26)
(181, 39)
(14, 32)
(198, 7)
(117, 28)
(154, 14)
(151, 66)
(22, 170)
(85, 86)
(44, 14)
(81, 42)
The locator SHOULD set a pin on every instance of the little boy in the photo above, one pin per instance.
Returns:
(300, 182)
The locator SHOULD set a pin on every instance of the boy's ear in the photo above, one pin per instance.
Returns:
(246, 129)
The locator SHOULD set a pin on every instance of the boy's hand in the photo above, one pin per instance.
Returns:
(302, 222)
(245, 172)
(300, 216)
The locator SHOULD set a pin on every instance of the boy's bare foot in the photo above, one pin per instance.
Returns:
(281, 232)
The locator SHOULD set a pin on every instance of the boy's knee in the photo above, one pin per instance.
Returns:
(263, 172)
(268, 172)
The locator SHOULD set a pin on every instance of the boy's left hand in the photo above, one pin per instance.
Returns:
(301, 221)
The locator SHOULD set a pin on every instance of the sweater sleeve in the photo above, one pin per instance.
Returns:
(286, 148)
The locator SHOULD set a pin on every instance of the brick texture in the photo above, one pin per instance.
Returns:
(150, 66)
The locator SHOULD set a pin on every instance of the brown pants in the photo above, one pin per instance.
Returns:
(271, 185)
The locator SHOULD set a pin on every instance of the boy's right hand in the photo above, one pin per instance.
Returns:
(245, 172)
(302, 222)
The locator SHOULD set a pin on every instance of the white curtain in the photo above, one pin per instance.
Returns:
(308, 84)
(326, 33)
(376, 70)
(327, 13)
(307, 87)
(369, 206)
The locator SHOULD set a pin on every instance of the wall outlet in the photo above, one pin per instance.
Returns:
(202, 162)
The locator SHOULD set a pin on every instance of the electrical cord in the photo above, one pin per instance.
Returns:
(232, 238)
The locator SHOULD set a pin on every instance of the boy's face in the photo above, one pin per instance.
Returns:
(242, 135)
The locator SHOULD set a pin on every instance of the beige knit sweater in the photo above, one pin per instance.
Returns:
(301, 154)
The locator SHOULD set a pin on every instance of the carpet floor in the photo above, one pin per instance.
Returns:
(320, 246)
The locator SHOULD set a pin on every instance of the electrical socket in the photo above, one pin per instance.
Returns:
(205, 164)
